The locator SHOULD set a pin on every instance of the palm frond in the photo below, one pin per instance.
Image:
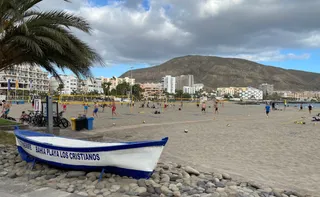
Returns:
(28, 36)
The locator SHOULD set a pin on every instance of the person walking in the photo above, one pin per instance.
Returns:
(267, 108)
(301, 107)
(103, 106)
(95, 109)
(64, 106)
(310, 108)
(216, 107)
(203, 108)
(85, 108)
(113, 109)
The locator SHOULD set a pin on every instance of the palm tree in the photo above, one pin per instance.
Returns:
(44, 38)
(60, 87)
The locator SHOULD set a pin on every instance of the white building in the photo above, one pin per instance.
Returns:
(91, 85)
(250, 93)
(246, 93)
(115, 81)
(169, 84)
(27, 78)
(184, 80)
(267, 88)
(189, 89)
(225, 91)
(70, 84)
(198, 86)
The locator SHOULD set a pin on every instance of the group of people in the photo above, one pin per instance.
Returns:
(96, 108)
(273, 104)
(215, 107)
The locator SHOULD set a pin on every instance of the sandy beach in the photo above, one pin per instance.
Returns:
(240, 140)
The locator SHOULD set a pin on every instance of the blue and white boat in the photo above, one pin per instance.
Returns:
(132, 159)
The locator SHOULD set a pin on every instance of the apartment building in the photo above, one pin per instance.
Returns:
(267, 89)
(184, 80)
(115, 81)
(91, 85)
(70, 84)
(169, 84)
(152, 90)
(26, 77)
(246, 93)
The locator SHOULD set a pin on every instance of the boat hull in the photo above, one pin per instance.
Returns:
(133, 159)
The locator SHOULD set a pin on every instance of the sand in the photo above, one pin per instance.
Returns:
(240, 140)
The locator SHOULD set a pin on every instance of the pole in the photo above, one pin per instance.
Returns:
(131, 89)
(23, 92)
(131, 84)
(49, 115)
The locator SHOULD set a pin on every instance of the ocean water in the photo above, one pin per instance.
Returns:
(305, 105)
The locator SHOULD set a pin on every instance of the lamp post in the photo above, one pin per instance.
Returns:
(131, 84)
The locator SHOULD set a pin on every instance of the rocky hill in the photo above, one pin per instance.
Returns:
(216, 72)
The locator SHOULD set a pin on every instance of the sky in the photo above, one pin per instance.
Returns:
(143, 33)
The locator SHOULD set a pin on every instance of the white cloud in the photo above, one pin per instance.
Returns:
(256, 29)
(272, 56)
(312, 40)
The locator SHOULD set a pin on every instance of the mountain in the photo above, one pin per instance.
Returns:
(216, 72)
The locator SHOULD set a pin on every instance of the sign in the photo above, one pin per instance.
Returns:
(55, 108)
(49, 154)
(37, 105)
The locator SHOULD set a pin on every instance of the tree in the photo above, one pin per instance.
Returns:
(113, 92)
(93, 92)
(122, 88)
(74, 92)
(106, 87)
(137, 91)
(186, 95)
(60, 87)
(179, 94)
(43, 38)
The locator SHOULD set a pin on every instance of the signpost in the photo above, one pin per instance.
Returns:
(37, 105)
(54, 108)
(49, 115)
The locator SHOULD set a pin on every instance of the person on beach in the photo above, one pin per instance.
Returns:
(285, 105)
(113, 109)
(95, 109)
(2, 105)
(64, 107)
(310, 108)
(6, 109)
(267, 108)
(301, 107)
(216, 107)
(103, 106)
(85, 108)
(203, 107)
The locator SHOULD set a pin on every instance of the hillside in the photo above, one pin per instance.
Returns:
(216, 72)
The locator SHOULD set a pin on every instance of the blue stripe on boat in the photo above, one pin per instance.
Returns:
(20, 134)
(137, 174)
